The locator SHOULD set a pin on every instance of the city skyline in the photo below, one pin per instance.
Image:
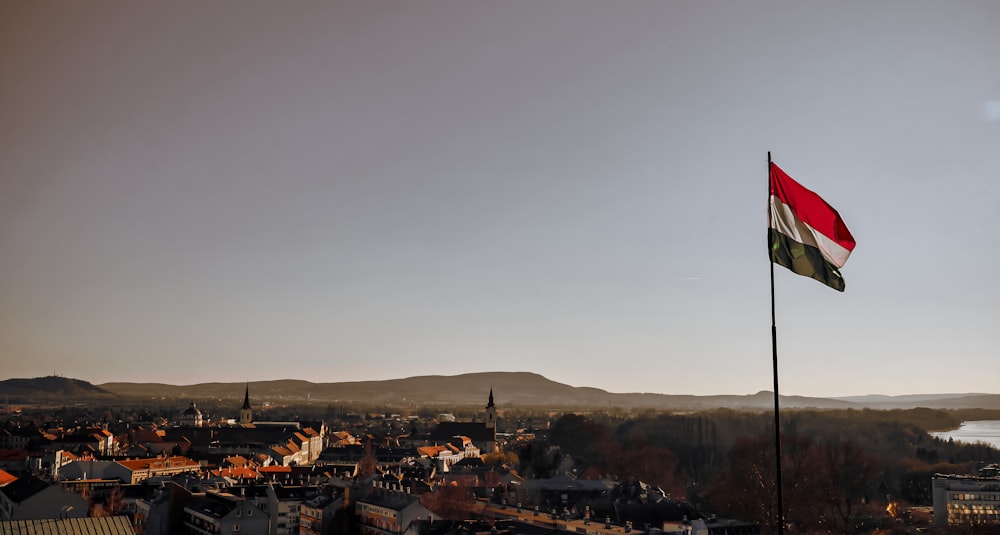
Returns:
(357, 191)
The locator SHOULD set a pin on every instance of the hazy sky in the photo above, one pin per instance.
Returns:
(339, 191)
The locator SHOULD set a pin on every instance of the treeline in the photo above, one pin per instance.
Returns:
(720, 459)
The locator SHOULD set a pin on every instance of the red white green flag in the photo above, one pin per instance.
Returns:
(805, 234)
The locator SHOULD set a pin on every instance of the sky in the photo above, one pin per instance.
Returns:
(360, 190)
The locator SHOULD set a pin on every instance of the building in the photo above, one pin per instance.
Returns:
(447, 455)
(283, 443)
(92, 441)
(482, 434)
(301, 448)
(53, 461)
(14, 461)
(15, 437)
(191, 417)
(284, 504)
(967, 500)
(138, 470)
(316, 514)
(391, 511)
(152, 514)
(30, 498)
(107, 525)
(246, 413)
(130, 471)
(221, 512)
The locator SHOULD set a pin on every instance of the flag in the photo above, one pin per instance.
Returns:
(805, 234)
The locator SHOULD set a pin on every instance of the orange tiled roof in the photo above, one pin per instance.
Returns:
(236, 460)
(6, 478)
(158, 463)
(430, 451)
(242, 472)
(274, 469)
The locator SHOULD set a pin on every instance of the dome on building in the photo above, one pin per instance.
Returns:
(192, 410)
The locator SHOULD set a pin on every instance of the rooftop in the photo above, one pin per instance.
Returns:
(108, 525)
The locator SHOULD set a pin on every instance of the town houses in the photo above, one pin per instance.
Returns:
(197, 472)
(236, 464)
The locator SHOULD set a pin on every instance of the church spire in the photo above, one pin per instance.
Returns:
(491, 415)
(246, 413)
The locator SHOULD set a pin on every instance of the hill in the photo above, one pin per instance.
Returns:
(519, 389)
(50, 389)
(511, 389)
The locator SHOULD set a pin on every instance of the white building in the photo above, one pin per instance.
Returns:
(967, 500)
(191, 417)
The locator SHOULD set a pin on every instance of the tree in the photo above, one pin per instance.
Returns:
(843, 484)
(581, 438)
(500, 457)
(747, 490)
(645, 462)
(453, 501)
(824, 486)
(538, 460)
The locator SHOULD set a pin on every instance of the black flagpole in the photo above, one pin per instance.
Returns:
(774, 361)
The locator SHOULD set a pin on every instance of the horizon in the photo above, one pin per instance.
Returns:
(371, 190)
(751, 394)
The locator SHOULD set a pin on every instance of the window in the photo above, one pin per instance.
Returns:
(236, 527)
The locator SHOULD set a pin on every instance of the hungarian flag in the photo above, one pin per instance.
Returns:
(805, 234)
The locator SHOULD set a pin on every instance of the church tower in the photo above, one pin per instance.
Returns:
(246, 413)
(191, 417)
(491, 413)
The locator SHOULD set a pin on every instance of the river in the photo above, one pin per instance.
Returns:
(987, 431)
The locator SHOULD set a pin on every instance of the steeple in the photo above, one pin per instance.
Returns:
(246, 413)
(491, 413)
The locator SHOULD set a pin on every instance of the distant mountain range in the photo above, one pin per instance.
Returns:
(510, 389)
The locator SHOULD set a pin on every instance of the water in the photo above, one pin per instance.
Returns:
(987, 431)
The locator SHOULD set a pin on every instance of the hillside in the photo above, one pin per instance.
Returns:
(522, 389)
(50, 389)
(511, 389)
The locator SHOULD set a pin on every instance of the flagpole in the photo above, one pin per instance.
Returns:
(774, 363)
